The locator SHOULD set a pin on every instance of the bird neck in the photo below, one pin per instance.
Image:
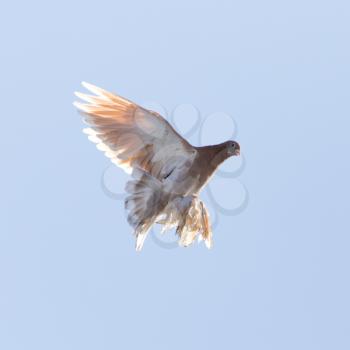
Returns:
(215, 154)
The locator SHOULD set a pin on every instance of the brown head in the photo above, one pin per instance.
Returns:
(232, 148)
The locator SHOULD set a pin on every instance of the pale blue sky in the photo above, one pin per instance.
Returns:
(278, 276)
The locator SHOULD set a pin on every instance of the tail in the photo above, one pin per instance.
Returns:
(144, 204)
(192, 220)
(148, 203)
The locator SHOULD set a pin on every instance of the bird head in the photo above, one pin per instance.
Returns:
(233, 148)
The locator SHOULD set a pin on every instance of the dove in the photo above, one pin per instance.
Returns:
(167, 172)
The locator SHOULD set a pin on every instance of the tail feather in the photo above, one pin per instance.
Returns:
(148, 203)
(193, 222)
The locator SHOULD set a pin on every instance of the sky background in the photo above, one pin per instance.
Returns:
(278, 276)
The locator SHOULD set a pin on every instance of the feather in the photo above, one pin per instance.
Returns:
(150, 142)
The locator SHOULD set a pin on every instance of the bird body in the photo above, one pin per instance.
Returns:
(168, 173)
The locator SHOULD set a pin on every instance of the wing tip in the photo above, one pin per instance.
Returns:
(78, 94)
(81, 106)
(76, 104)
(89, 131)
(92, 88)
(85, 84)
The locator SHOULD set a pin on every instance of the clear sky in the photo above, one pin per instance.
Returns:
(278, 275)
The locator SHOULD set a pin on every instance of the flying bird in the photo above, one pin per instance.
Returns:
(168, 173)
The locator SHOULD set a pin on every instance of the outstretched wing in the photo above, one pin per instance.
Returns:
(133, 136)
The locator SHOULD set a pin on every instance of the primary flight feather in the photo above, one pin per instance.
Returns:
(168, 173)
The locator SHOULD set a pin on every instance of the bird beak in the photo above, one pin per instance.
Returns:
(237, 152)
